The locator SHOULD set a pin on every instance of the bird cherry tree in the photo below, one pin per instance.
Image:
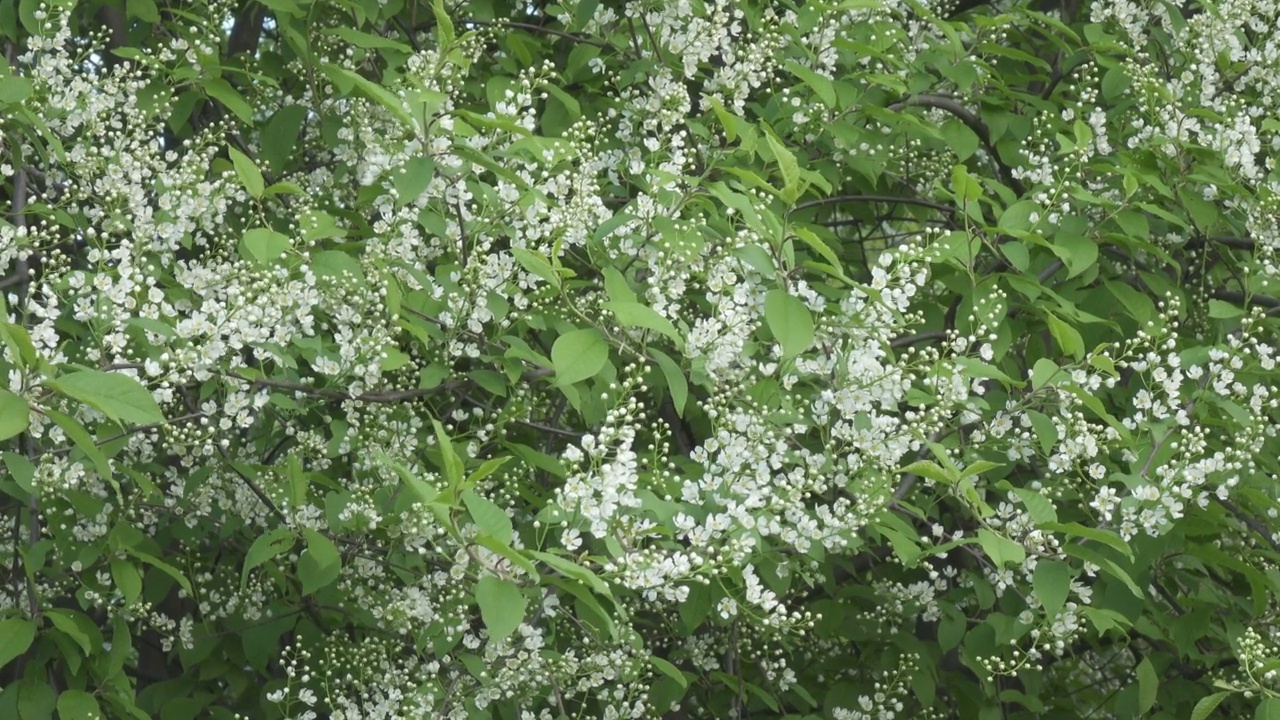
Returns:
(842, 359)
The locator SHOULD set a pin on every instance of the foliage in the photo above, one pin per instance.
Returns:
(845, 359)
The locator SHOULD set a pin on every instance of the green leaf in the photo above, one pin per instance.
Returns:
(1001, 549)
(83, 441)
(505, 550)
(671, 671)
(1017, 217)
(1042, 372)
(162, 566)
(1268, 709)
(1148, 686)
(412, 179)
(318, 565)
(344, 78)
(962, 141)
(502, 606)
(231, 99)
(578, 355)
(786, 165)
(1052, 583)
(1077, 252)
(488, 517)
(78, 705)
(1106, 537)
(263, 245)
(68, 623)
(821, 86)
(250, 175)
(268, 545)
(146, 11)
(1039, 507)
(16, 635)
(634, 314)
(14, 89)
(127, 579)
(568, 568)
(677, 385)
(117, 396)
(22, 470)
(789, 321)
(279, 136)
(15, 414)
(1205, 707)
(451, 463)
(1218, 309)
(444, 26)
(537, 264)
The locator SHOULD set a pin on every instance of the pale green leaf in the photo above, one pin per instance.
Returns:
(15, 414)
(117, 396)
(789, 321)
(502, 605)
(578, 355)
(250, 175)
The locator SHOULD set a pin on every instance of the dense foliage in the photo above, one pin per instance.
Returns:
(702, 359)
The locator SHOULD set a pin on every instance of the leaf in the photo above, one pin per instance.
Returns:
(1001, 549)
(16, 635)
(268, 545)
(634, 314)
(412, 179)
(263, 245)
(144, 10)
(578, 355)
(1077, 252)
(1106, 537)
(66, 623)
(280, 134)
(505, 550)
(1148, 686)
(1042, 372)
(676, 383)
(1039, 507)
(14, 89)
(789, 321)
(1052, 583)
(502, 606)
(163, 567)
(1268, 709)
(568, 568)
(962, 140)
(537, 264)
(117, 396)
(821, 86)
(318, 565)
(83, 441)
(671, 671)
(221, 90)
(786, 165)
(452, 464)
(344, 78)
(929, 469)
(15, 414)
(250, 175)
(1205, 707)
(488, 517)
(127, 579)
(444, 26)
(78, 705)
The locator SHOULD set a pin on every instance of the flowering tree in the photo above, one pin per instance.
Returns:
(697, 359)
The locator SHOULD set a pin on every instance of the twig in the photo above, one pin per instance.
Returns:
(921, 202)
